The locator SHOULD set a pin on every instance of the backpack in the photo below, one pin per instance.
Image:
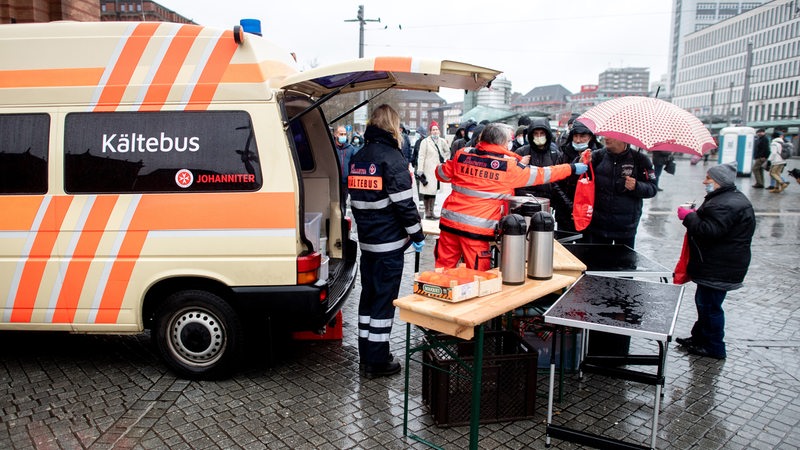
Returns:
(786, 150)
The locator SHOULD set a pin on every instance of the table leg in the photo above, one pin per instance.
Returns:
(550, 388)
(405, 397)
(477, 369)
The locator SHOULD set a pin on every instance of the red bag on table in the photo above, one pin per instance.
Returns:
(681, 276)
(583, 204)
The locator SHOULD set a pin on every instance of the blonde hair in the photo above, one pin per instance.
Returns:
(386, 118)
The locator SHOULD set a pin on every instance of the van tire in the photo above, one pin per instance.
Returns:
(198, 334)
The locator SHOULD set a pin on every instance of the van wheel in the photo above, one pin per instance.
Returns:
(198, 334)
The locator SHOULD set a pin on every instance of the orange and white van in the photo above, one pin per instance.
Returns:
(176, 178)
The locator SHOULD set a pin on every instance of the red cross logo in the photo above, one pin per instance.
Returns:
(184, 178)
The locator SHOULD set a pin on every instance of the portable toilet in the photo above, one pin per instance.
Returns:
(736, 143)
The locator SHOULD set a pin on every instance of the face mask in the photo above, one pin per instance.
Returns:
(540, 140)
(434, 136)
(520, 140)
(579, 147)
(511, 145)
(342, 139)
(469, 135)
(710, 187)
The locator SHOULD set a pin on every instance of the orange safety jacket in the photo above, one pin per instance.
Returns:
(483, 178)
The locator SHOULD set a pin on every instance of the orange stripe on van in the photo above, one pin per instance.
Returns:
(170, 67)
(211, 76)
(19, 212)
(50, 77)
(396, 64)
(85, 252)
(42, 249)
(243, 73)
(125, 66)
(120, 276)
(215, 211)
(207, 211)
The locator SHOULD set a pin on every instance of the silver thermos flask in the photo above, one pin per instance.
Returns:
(540, 247)
(512, 249)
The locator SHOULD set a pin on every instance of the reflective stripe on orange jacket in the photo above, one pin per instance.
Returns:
(483, 178)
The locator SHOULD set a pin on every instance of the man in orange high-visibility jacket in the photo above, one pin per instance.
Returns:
(483, 178)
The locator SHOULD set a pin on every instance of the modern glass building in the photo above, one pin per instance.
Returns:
(715, 69)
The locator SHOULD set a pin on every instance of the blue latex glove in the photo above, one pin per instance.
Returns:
(683, 212)
(580, 168)
(418, 246)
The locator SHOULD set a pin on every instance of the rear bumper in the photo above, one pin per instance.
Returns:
(299, 307)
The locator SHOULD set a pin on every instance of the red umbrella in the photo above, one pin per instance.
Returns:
(649, 123)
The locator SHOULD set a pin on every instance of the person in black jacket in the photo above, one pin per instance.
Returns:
(388, 222)
(719, 234)
(579, 138)
(544, 152)
(623, 178)
(760, 155)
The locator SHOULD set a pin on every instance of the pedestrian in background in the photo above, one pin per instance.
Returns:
(777, 163)
(482, 178)
(432, 151)
(660, 159)
(719, 235)
(760, 155)
(579, 138)
(344, 151)
(388, 222)
(543, 152)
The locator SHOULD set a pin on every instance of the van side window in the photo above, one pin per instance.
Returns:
(301, 144)
(169, 151)
(24, 141)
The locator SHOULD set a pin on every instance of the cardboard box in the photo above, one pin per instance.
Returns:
(458, 292)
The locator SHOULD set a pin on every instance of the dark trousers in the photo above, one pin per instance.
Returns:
(380, 283)
(709, 329)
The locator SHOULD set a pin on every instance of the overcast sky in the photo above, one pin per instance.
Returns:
(534, 42)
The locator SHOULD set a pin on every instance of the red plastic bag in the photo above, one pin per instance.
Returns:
(681, 276)
(583, 204)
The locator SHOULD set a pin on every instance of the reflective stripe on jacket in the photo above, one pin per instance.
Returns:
(483, 178)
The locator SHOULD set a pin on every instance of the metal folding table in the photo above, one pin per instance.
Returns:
(624, 307)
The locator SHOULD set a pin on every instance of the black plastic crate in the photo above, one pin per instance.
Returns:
(508, 383)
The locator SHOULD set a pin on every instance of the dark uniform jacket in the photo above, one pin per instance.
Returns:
(720, 234)
(617, 210)
(381, 196)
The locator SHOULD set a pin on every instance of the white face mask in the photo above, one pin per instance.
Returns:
(510, 145)
(520, 140)
(540, 140)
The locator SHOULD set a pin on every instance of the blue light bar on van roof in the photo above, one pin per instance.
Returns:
(252, 26)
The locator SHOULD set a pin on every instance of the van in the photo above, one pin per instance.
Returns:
(179, 179)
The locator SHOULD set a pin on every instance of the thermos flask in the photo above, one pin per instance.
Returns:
(512, 249)
(527, 209)
(540, 247)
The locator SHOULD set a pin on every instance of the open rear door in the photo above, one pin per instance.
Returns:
(389, 72)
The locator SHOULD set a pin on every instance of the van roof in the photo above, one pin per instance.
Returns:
(135, 65)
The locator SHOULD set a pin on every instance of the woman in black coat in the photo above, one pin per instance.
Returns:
(719, 235)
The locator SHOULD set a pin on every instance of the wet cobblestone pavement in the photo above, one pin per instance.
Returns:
(64, 391)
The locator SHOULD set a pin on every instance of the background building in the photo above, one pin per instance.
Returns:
(418, 108)
(624, 81)
(689, 16)
(137, 10)
(26, 11)
(714, 71)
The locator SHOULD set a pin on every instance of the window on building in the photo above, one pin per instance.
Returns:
(23, 155)
(413, 114)
(162, 152)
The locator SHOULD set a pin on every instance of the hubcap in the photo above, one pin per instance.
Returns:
(197, 337)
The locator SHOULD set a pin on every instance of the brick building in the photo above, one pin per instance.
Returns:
(26, 11)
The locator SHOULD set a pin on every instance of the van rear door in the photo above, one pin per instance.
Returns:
(389, 72)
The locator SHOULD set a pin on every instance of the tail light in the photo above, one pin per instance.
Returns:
(308, 268)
